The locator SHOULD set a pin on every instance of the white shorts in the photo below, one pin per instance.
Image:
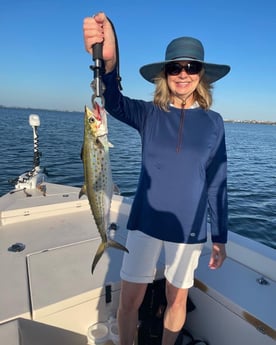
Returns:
(139, 265)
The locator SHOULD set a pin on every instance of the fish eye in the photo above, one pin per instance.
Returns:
(91, 119)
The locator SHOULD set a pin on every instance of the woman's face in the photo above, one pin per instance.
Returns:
(183, 84)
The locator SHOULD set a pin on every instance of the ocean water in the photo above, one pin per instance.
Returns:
(251, 162)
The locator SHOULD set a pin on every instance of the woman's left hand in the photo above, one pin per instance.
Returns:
(218, 255)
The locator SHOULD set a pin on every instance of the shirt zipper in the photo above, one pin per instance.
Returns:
(180, 129)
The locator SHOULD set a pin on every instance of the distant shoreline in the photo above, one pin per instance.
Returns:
(262, 122)
(258, 122)
(43, 109)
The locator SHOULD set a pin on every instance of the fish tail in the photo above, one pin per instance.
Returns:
(116, 245)
(101, 249)
(98, 255)
(82, 191)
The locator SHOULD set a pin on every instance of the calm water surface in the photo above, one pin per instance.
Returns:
(251, 162)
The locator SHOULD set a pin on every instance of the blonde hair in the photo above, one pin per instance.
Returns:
(162, 94)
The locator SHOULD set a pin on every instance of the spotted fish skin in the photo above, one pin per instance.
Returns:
(98, 185)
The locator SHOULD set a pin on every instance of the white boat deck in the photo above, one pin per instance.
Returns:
(50, 281)
(60, 240)
(236, 287)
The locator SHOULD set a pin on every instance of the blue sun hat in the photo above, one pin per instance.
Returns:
(185, 49)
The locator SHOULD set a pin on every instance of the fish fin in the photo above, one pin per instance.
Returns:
(116, 245)
(110, 144)
(82, 191)
(81, 153)
(99, 144)
(98, 255)
(116, 189)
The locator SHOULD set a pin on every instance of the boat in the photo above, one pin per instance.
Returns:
(48, 239)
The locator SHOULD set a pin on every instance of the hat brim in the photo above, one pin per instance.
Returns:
(213, 72)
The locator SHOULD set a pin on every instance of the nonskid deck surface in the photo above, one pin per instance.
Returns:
(65, 232)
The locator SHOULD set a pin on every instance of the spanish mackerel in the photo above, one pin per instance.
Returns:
(98, 185)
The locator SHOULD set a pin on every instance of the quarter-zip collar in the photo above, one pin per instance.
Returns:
(181, 124)
(181, 127)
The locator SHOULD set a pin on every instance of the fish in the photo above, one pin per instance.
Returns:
(98, 185)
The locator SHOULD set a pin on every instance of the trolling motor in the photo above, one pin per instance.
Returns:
(35, 177)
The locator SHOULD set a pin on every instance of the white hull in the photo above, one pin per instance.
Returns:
(49, 283)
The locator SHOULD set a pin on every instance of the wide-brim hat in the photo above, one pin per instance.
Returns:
(185, 49)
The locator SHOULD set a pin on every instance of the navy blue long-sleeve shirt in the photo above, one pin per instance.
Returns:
(183, 169)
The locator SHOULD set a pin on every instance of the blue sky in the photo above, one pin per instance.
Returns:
(43, 62)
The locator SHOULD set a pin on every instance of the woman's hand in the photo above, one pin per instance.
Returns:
(97, 29)
(218, 255)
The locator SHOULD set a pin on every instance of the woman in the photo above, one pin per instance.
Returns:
(183, 171)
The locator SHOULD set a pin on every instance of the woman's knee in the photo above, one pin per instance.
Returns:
(132, 295)
(176, 297)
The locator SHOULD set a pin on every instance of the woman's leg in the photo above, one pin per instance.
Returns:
(138, 269)
(132, 295)
(181, 261)
(175, 314)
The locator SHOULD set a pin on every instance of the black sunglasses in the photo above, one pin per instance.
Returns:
(175, 68)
